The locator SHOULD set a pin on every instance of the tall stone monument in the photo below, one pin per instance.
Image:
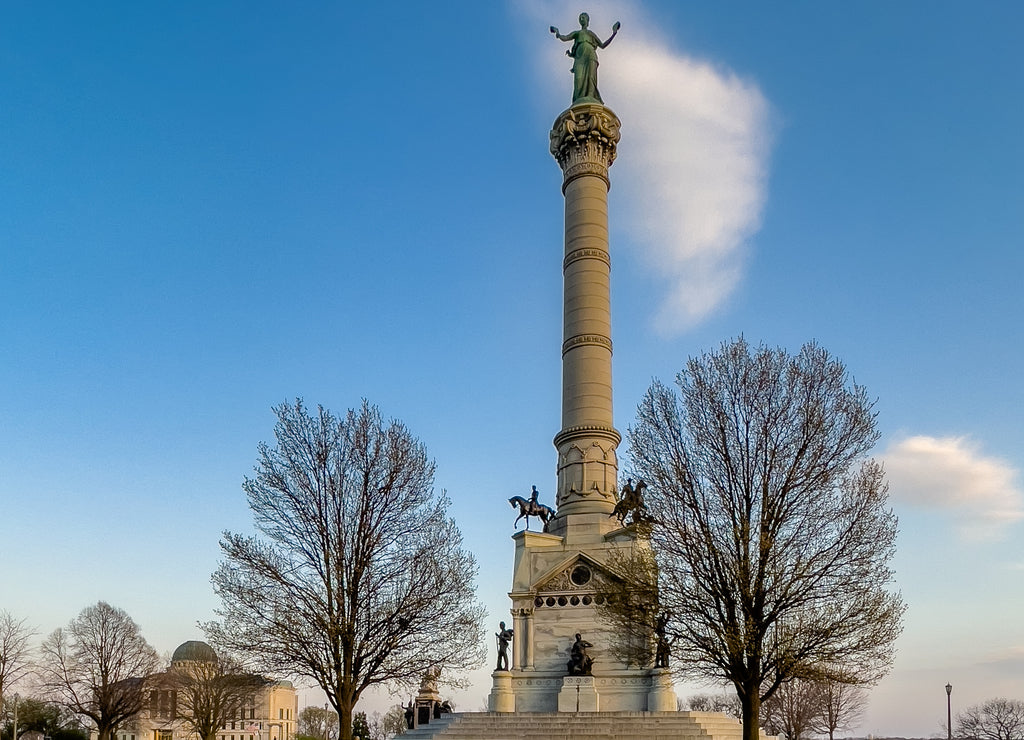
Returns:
(558, 573)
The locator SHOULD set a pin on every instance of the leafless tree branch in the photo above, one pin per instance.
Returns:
(15, 652)
(358, 576)
(771, 534)
(995, 719)
(98, 666)
(210, 693)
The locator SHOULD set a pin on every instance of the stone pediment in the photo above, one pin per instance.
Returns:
(579, 573)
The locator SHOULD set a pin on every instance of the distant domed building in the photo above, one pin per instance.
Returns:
(272, 714)
(194, 651)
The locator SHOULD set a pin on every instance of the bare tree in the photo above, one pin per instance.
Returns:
(791, 710)
(722, 703)
(628, 600)
(840, 707)
(388, 725)
(995, 719)
(98, 665)
(321, 724)
(210, 693)
(15, 652)
(770, 530)
(359, 577)
(393, 723)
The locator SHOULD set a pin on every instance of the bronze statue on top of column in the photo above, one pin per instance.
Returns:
(585, 44)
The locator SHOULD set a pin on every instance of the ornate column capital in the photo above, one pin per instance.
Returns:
(583, 141)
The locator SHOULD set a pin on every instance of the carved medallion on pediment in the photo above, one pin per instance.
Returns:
(579, 575)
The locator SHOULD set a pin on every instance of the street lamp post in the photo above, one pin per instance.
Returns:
(14, 732)
(949, 712)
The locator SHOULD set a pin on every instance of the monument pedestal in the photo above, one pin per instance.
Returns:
(662, 697)
(501, 698)
(428, 701)
(578, 694)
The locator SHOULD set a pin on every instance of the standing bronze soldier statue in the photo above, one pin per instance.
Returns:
(662, 648)
(504, 637)
(585, 44)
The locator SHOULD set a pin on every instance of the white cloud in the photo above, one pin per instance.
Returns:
(951, 473)
(694, 153)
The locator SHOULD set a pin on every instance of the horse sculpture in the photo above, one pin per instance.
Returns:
(529, 508)
(631, 502)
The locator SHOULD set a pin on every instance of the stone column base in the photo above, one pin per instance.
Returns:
(662, 697)
(578, 694)
(501, 698)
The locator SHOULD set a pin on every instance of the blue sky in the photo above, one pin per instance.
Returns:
(206, 210)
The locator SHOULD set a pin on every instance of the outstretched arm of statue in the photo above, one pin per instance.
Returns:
(560, 37)
(615, 30)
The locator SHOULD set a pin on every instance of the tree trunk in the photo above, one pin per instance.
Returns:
(750, 705)
(345, 712)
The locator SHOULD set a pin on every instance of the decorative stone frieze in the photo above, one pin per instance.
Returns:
(583, 141)
(588, 430)
(587, 464)
(627, 681)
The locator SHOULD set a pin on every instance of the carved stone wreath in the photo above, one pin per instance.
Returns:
(577, 576)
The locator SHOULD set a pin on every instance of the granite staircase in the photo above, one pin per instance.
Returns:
(580, 726)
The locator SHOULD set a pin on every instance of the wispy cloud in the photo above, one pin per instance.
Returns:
(694, 164)
(1009, 661)
(952, 473)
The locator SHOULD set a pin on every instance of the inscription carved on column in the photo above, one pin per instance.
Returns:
(576, 341)
(581, 254)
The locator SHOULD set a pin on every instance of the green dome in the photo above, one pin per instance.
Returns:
(194, 650)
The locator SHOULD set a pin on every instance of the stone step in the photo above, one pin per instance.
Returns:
(581, 726)
(428, 731)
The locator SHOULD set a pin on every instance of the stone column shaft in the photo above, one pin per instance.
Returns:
(587, 331)
(583, 142)
(517, 640)
(528, 641)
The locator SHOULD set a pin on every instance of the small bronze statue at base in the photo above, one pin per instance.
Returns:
(580, 664)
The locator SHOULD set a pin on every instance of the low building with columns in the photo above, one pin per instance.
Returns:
(272, 714)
